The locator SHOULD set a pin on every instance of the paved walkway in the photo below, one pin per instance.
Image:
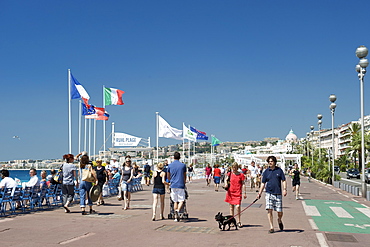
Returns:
(310, 221)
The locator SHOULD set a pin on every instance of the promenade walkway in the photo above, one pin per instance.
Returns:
(324, 216)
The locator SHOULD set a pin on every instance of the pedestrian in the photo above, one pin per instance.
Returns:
(102, 176)
(216, 176)
(222, 169)
(68, 185)
(208, 171)
(272, 178)
(253, 172)
(85, 186)
(176, 172)
(309, 174)
(159, 191)
(296, 180)
(147, 174)
(127, 174)
(236, 189)
(190, 173)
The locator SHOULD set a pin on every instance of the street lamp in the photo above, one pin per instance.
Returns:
(332, 107)
(311, 127)
(319, 117)
(361, 53)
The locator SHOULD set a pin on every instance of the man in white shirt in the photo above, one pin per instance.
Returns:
(114, 164)
(254, 171)
(34, 180)
(6, 181)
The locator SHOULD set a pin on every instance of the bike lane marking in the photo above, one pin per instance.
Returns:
(339, 216)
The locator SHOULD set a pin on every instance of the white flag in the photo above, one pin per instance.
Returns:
(165, 130)
(188, 134)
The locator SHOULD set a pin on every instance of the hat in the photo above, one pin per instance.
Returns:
(95, 193)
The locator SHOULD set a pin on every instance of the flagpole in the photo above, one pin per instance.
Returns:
(69, 114)
(94, 138)
(89, 137)
(85, 136)
(211, 152)
(189, 149)
(112, 134)
(183, 148)
(157, 129)
(79, 127)
(104, 123)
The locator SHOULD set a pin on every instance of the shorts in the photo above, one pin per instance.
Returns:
(126, 186)
(160, 191)
(216, 180)
(296, 182)
(177, 195)
(190, 174)
(274, 202)
(208, 176)
(146, 174)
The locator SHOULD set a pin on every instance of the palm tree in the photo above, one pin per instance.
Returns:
(355, 144)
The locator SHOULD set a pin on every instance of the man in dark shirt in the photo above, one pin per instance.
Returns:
(272, 178)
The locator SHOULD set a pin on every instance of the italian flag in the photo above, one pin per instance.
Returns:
(113, 96)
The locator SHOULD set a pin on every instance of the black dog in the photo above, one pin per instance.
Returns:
(225, 220)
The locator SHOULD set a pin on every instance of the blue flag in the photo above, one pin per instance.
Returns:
(88, 109)
(200, 134)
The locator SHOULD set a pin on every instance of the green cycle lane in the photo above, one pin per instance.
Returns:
(340, 216)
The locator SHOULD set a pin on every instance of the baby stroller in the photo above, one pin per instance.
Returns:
(183, 213)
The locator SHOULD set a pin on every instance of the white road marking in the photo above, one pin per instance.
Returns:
(4, 220)
(365, 211)
(310, 210)
(364, 205)
(321, 239)
(341, 212)
(77, 238)
(313, 224)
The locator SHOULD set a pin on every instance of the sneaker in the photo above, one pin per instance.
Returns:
(175, 220)
(119, 198)
(297, 198)
(281, 226)
(177, 216)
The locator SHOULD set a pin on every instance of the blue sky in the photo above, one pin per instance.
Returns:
(240, 70)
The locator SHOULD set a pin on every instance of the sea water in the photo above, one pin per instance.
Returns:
(23, 175)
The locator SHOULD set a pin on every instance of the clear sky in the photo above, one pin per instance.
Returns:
(240, 70)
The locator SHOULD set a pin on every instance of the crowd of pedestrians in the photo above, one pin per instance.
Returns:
(166, 179)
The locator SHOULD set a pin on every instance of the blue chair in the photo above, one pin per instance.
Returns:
(5, 200)
(43, 196)
(76, 197)
(35, 197)
(16, 200)
(58, 196)
(26, 197)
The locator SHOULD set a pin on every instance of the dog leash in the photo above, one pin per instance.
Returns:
(244, 209)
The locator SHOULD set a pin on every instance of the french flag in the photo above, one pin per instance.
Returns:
(78, 91)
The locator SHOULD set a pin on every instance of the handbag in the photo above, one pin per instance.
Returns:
(228, 182)
(87, 175)
(58, 178)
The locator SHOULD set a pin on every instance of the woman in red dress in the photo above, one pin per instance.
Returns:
(236, 188)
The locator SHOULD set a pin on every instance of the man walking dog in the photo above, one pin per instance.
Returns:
(272, 178)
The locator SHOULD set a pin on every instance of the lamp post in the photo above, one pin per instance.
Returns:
(319, 117)
(361, 53)
(311, 127)
(332, 107)
(307, 142)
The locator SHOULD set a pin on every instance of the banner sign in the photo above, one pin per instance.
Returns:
(121, 139)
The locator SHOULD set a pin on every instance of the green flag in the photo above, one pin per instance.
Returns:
(215, 141)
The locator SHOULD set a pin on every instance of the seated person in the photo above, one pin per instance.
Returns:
(34, 180)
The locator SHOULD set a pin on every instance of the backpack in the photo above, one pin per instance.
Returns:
(58, 178)
(146, 168)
